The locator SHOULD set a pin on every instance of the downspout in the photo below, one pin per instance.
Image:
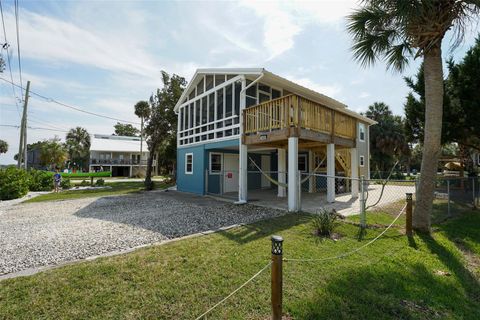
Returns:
(242, 181)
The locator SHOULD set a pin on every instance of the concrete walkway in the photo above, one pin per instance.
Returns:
(390, 199)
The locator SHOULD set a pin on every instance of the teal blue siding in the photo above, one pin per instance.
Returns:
(195, 182)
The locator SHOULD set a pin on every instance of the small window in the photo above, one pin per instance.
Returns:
(215, 162)
(189, 163)
(302, 162)
(361, 130)
(263, 97)
(362, 161)
(264, 88)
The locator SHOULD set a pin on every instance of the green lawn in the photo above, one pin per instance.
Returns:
(395, 278)
(117, 188)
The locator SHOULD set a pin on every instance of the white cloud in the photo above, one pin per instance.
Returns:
(329, 90)
(364, 95)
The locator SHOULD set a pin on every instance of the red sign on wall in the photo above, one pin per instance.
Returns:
(229, 175)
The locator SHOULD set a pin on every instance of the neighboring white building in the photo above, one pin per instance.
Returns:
(118, 154)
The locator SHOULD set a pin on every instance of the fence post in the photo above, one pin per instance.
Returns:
(363, 219)
(277, 281)
(408, 222)
(448, 197)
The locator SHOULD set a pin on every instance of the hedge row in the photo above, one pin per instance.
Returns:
(15, 183)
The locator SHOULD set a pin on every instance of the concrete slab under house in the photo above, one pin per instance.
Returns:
(250, 135)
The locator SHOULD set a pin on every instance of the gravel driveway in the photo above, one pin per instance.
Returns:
(47, 233)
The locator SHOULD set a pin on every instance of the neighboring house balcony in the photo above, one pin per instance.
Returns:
(120, 162)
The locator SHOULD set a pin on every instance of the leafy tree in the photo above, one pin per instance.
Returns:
(3, 146)
(397, 30)
(161, 122)
(128, 130)
(77, 143)
(387, 138)
(53, 153)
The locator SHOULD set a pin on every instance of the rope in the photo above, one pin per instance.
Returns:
(313, 172)
(267, 176)
(234, 291)
(343, 255)
(383, 188)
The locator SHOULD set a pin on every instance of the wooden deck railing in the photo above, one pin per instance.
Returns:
(295, 111)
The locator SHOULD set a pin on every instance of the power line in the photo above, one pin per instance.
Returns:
(69, 106)
(18, 43)
(5, 46)
(34, 128)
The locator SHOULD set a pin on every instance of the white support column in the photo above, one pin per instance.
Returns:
(293, 196)
(354, 171)
(130, 173)
(311, 166)
(282, 172)
(243, 153)
(330, 172)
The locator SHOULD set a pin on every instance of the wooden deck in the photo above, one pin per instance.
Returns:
(272, 122)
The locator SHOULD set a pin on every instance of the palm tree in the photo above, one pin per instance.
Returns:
(142, 110)
(394, 31)
(53, 153)
(3, 146)
(78, 144)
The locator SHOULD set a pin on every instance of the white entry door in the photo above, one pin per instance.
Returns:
(230, 176)
(266, 168)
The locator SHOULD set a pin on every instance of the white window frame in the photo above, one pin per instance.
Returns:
(186, 162)
(362, 161)
(210, 163)
(362, 127)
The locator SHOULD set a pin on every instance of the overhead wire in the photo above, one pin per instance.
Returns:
(52, 100)
(5, 46)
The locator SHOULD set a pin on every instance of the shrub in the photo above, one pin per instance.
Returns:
(84, 183)
(13, 183)
(100, 182)
(40, 180)
(324, 222)
(65, 184)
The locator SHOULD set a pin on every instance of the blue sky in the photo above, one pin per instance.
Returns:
(104, 56)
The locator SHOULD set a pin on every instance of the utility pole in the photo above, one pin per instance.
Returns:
(22, 149)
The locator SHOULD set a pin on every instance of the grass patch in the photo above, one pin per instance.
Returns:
(117, 188)
(387, 280)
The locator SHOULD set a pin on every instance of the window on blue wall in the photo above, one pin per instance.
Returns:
(215, 162)
(189, 163)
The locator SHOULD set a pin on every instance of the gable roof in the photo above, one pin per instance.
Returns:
(279, 81)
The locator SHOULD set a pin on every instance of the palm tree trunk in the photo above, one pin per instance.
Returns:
(148, 176)
(432, 138)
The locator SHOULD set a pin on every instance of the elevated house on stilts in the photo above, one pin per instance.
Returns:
(250, 134)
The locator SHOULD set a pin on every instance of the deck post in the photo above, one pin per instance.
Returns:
(331, 172)
(243, 153)
(354, 171)
(293, 199)
(282, 172)
(311, 166)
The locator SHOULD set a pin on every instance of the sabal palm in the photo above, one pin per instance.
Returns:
(396, 30)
